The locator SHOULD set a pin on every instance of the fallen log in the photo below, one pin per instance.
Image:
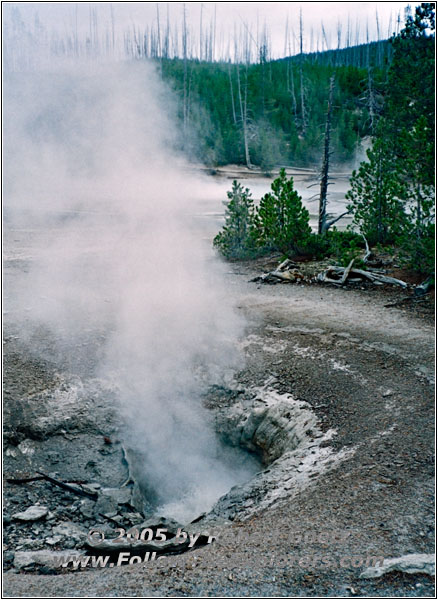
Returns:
(286, 271)
(343, 273)
(381, 278)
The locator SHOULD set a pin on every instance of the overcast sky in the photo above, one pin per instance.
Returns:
(61, 16)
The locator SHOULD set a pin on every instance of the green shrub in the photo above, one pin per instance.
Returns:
(317, 246)
(341, 245)
(345, 245)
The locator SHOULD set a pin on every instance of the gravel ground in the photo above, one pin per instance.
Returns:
(367, 372)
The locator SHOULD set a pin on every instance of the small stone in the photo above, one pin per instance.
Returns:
(387, 393)
(94, 486)
(8, 556)
(52, 541)
(87, 508)
(6, 519)
(45, 570)
(33, 513)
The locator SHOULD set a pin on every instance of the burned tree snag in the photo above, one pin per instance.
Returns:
(322, 220)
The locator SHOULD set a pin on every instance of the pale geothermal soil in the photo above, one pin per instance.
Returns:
(367, 372)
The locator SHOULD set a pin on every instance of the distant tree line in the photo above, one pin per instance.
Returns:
(270, 113)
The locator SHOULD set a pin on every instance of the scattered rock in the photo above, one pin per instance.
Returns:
(155, 523)
(105, 505)
(408, 563)
(87, 508)
(133, 518)
(33, 513)
(71, 531)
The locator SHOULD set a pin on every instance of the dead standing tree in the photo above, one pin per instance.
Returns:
(243, 97)
(290, 84)
(303, 106)
(323, 224)
(322, 219)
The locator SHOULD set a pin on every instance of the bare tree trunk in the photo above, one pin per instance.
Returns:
(232, 94)
(339, 35)
(159, 49)
(184, 43)
(214, 35)
(371, 99)
(379, 50)
(290, 75)
(200, 34)
(303, 107)
(322, 220)
(243, 115)
(292, 91)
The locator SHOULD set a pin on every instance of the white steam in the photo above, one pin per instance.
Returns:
(123, 277)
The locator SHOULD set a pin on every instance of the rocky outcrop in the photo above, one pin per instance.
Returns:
(267, 423)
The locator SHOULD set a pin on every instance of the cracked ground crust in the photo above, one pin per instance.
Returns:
(366, 371)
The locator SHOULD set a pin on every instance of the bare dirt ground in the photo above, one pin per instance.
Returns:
(367, 371)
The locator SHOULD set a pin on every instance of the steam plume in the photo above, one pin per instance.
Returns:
(121, 277)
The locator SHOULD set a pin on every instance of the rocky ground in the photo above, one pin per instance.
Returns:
(337, 400)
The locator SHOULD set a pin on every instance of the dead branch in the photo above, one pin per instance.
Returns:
(368, 251)
(69, 488)
(380, 278)
(328, 224)
(25, 480)
(347, 272)
(422, 289)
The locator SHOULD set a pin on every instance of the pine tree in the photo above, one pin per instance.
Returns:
(410, 127)
(376, 196)
(282, 221)
(237, 238)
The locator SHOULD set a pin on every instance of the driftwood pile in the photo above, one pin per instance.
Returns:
(287, 271)
(291, 272)
(341, 275)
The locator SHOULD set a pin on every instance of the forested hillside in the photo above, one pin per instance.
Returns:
(273, 112)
